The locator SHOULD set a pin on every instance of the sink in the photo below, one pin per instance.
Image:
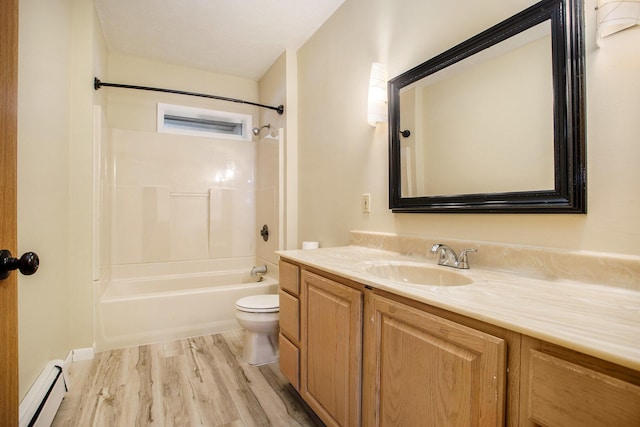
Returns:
(418, 274)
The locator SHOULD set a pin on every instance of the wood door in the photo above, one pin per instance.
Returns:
(331, 349)
(8, 210)
(423, 370)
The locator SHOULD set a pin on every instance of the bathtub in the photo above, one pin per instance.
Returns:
(144, 310)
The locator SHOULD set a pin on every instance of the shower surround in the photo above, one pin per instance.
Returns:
(180, 223)
(179, 198)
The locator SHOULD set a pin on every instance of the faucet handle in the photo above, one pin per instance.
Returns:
(463, 261)
(446, 255)
(442, 248)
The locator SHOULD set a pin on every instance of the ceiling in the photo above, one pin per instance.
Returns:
(237, 37)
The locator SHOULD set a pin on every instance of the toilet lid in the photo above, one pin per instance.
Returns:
(259, 303)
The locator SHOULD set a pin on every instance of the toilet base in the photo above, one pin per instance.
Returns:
(260, 348)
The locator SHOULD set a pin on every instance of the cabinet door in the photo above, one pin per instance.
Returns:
(331, 349)
(423, 370)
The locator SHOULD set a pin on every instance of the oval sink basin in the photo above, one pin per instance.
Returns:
(418, 274)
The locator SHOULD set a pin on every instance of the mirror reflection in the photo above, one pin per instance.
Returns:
(503, 143)
(496, 123)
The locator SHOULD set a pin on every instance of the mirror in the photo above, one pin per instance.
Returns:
(495, 124)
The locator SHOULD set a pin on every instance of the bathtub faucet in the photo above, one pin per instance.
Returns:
(259, 271)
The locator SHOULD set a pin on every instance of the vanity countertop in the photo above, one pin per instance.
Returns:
(599, 320)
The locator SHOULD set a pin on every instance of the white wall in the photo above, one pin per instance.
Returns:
(341, 157)
(42, 184)
(55, 107)
(135, 110)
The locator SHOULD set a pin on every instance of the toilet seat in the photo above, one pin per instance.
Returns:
(259, 303)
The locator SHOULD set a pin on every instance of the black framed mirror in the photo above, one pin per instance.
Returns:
(495, 124)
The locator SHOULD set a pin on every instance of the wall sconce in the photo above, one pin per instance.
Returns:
(616, 15)
(377, 104)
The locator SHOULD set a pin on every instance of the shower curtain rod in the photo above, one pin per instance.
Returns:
(97, 84)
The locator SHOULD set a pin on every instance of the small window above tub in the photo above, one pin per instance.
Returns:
(182, 120)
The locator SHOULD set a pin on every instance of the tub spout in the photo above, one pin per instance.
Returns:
(259, 271)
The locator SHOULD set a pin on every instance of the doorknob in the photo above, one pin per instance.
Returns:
(27, 264)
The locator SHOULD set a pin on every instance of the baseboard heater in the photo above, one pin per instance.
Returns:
(39, 406)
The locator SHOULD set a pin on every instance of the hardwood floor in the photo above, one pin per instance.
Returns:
(200, 381)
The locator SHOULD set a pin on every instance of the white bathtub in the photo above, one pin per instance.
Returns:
(137, 311)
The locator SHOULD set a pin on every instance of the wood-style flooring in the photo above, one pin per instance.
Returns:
(200, 381)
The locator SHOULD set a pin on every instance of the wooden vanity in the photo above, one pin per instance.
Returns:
(365, 355)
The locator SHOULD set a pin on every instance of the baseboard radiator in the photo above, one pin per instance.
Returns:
(39, 406)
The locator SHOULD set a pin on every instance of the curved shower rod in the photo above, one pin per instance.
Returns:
(97, 84)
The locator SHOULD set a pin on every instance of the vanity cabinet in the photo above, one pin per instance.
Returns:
(422, 369)
(331, 348)
(368, 357)
(564, 388)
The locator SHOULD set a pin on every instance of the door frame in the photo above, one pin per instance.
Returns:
(9, 382)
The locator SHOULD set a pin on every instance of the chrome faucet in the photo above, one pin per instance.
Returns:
(448, 258)
(259, 271)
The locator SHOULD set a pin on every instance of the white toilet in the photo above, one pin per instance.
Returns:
(258, 315)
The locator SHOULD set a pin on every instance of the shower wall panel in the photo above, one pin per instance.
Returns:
(269, 188)
(189, 226)
(232, 216)
(180, 198)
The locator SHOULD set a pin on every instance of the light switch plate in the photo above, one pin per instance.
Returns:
(366, 203)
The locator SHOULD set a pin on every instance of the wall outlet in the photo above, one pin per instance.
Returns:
(366, 203)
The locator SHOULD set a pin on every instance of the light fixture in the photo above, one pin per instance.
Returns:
(377, 104)
(616, 15)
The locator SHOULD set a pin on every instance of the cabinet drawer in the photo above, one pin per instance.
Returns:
(290, 361)
(289, 316)
(562, 393)
(290, 278)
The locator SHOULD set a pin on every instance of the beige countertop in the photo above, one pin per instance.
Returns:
(602, 321)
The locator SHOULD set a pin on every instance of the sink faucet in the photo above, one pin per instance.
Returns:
(259, 271)
(448, 257)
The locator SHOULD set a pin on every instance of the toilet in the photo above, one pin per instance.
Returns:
(258, 315)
